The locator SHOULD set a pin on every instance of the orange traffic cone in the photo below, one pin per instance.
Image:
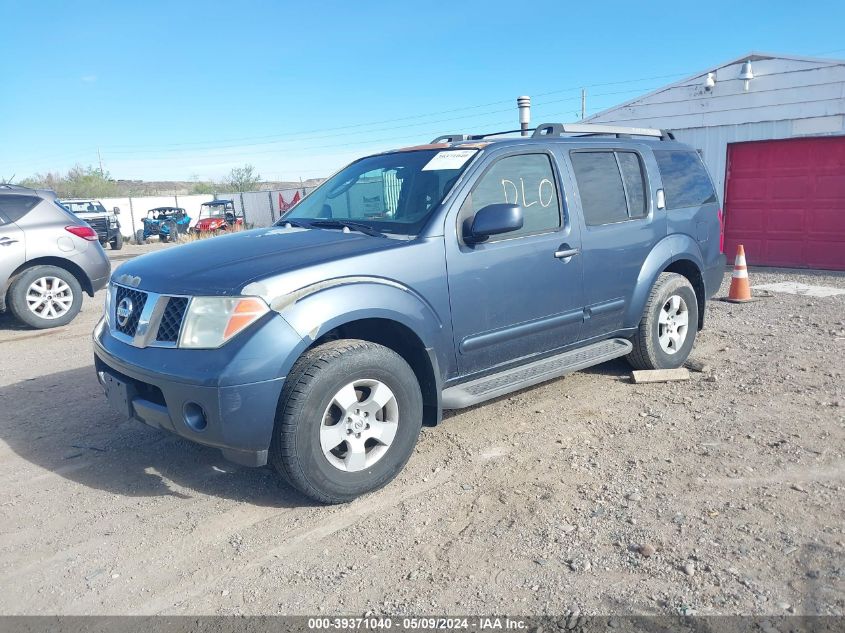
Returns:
(740, 291)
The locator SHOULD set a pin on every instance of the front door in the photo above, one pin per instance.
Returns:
(518, 294)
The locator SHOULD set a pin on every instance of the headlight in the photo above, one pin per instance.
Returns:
(211, 321)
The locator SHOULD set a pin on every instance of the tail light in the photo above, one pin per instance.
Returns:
(85, 232)
(721, 231)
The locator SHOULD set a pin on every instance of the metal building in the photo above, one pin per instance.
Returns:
(771, 130)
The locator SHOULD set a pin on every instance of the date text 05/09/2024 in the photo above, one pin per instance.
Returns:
(427, 623)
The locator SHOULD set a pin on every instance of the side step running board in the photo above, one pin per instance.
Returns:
(495, 385)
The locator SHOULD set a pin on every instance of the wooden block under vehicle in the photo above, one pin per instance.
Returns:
(659, 375)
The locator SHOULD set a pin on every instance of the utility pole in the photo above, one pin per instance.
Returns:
(583, 103)
(100, 158)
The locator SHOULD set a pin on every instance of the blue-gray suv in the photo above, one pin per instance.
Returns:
(429, 278)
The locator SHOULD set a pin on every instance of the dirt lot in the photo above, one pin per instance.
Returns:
(547, 501)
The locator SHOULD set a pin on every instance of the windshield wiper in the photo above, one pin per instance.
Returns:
(302, 224)
(366, 229)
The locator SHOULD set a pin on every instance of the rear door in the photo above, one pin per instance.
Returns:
(620, 228)
(12, 240)
(515, 295)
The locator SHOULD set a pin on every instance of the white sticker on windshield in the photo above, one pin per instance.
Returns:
(449, 159)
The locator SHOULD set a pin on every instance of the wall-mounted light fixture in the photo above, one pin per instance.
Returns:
(746, 74)
(710, 81)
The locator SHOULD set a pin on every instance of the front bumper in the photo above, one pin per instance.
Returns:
(225, 398)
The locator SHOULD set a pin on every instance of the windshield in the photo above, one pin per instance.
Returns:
(215, 210)
(85, 207)
(393, 193)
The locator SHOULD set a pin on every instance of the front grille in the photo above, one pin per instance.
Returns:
(137, 300)
(100, 225)
(171, 320)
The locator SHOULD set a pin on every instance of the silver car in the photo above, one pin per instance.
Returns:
(48, 257)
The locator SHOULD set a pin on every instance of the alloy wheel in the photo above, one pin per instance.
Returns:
(359, 425)
(49, 297)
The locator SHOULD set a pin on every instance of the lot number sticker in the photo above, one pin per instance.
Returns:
(450, 159)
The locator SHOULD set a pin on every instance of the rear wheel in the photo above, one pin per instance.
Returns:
(668, 327)
(45, 296)
(348, 420)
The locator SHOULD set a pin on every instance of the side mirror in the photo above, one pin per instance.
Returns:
(494, 219)
(116, 210)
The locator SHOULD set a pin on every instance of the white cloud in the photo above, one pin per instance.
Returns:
(89, 79)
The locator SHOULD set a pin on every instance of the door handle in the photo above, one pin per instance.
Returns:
(567, 252)
(6, 241)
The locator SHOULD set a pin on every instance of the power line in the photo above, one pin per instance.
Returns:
(399, 119)
(195, 151)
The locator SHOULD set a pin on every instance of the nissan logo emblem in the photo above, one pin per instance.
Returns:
(124, 311)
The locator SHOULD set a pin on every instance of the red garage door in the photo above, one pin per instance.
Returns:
(785, 201)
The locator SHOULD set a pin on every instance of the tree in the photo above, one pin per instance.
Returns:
(204, 186)
(80, 182)
(242, 179)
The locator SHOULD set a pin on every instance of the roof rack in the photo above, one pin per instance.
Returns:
(453, 138)
(590, 129)
(558, 129)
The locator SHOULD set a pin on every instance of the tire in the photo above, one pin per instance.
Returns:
(139, 237)
(309, 401)
(35, 283)
(117, 242)
(173, 232)
(671, 291)
(163, 238)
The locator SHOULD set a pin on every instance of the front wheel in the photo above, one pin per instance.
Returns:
(348, 420)
(139, 237)
(117, 242)
(668, 327)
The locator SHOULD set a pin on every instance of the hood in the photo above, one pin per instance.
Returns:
(223, 265)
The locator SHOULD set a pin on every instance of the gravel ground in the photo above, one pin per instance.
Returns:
(721, 495)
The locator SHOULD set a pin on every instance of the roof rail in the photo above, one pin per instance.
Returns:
(451, 138)
(587, 129)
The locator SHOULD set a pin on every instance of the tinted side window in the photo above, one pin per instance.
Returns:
(635, 187)
(600, 186)
(526, 180)
(685, 181)
(14, 207)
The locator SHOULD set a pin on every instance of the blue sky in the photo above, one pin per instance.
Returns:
(172, 90)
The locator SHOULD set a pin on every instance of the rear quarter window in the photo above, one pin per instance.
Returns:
(685, 180)
(14, 207)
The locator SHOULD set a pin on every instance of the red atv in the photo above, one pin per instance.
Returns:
(218, 216)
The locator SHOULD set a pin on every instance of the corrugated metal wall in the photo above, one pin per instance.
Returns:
(713, 143)
(787, 98)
